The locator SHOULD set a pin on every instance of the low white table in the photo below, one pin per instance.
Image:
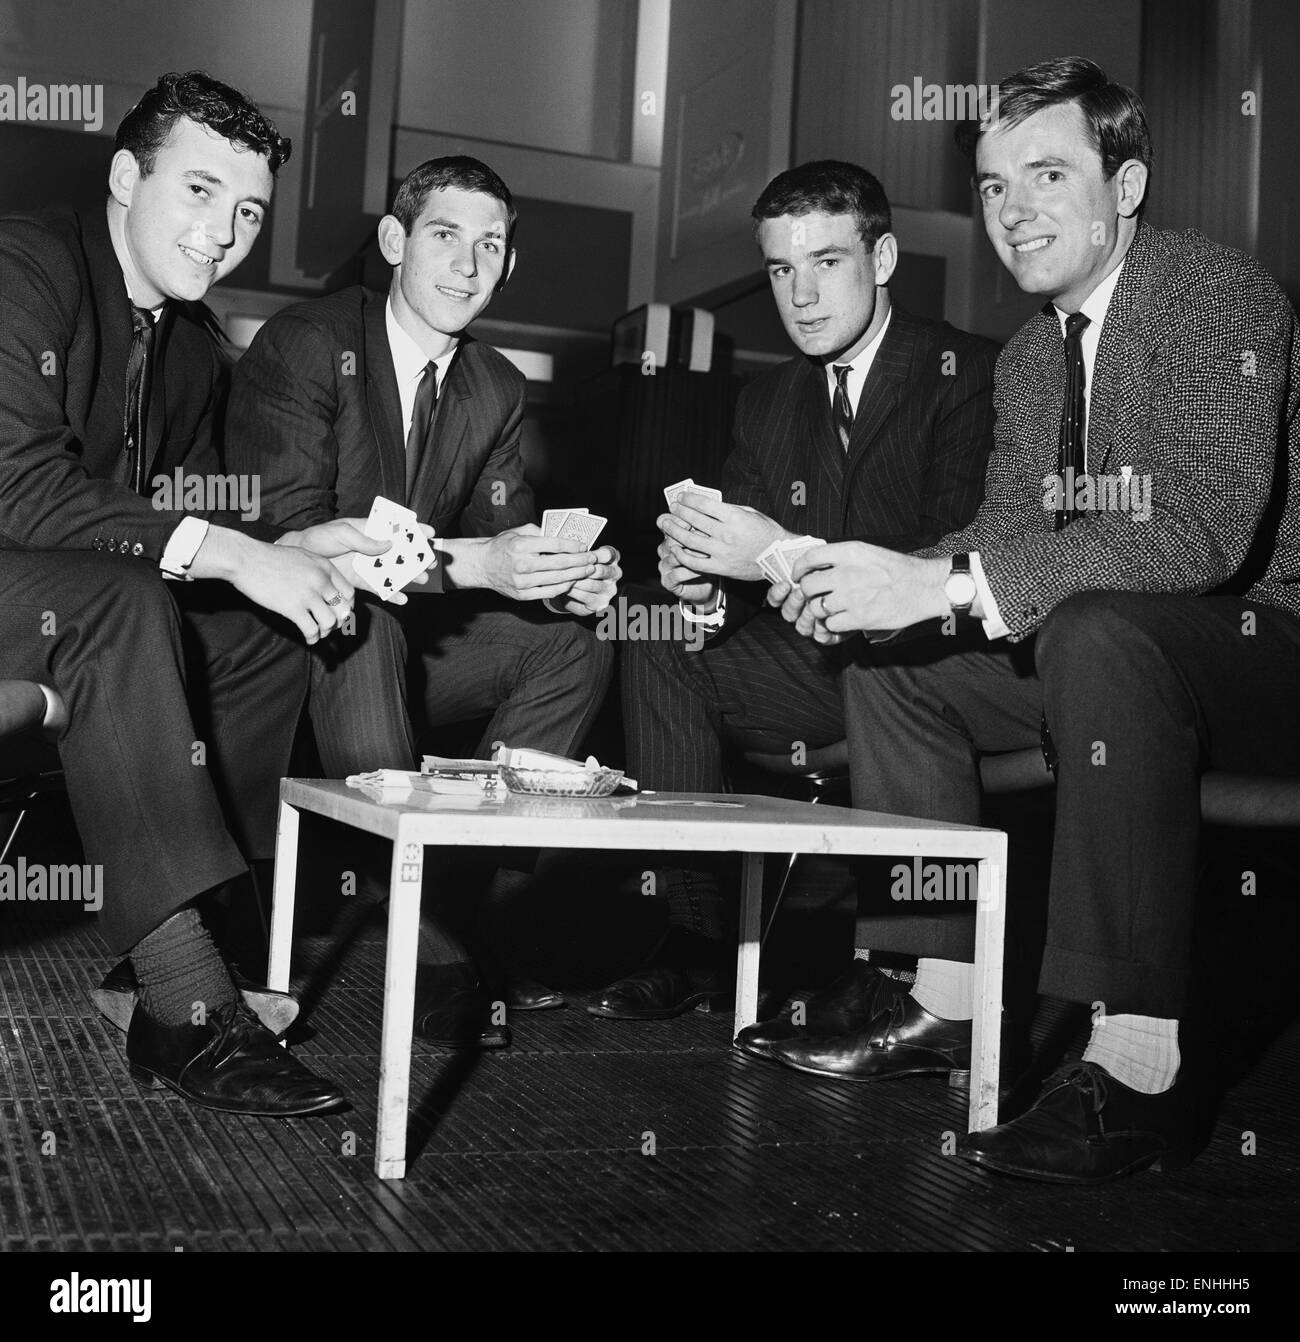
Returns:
(659, 822)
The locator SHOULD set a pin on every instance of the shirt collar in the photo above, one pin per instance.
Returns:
(409, 360)
(1095, 306)
(865, 357)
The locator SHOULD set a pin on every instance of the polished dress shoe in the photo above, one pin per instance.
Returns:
(525, 994)
(850, 1002)
(902, 1040)
(1085, 1129)
(684, 972)
(232, 1062)
(453, 1010)
(117, 994)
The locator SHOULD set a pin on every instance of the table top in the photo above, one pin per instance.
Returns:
(668, 821)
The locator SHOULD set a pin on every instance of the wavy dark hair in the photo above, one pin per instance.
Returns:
(458, 172)
(196, 95)
(828, 186)
(1115, 117)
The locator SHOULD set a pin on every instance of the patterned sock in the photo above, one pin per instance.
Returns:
(1140, 1052)
(945, 988)
(178, 969)
(888, 970)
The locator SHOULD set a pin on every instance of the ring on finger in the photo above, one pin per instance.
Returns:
(334, 600)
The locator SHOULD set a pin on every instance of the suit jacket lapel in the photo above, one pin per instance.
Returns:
(112, 311)
(383, 401)
(1114, 352)
(882, 388)
(828, 455)
(450, 424)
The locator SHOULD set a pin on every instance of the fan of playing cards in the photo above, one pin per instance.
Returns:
(410, 554)
(575, 524)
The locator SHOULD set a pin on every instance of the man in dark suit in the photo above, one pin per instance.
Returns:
(879, 430)
(1134, 565)
(360, 394)
(182, 697)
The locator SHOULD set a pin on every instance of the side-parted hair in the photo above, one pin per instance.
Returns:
(458, 172)
(828, 186)
(1115, 117)
(196, 95)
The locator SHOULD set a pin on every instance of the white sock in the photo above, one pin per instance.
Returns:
(1140, 1052)
(945, 988)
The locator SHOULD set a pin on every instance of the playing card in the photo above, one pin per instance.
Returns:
(554, 518)
(673, 492)
(768, 563)
(387, 574)
(789, 550)
(387, 519)
(582, 526)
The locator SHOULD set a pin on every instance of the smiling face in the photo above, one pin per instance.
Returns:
(825, 281)
(449, 265)
(1057, 224)
(192, 220)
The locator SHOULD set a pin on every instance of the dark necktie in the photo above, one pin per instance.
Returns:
(135, 420)
(426, 396)
(843, 415)
(1073, 414)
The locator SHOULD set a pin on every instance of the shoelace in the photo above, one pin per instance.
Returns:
(1090, 1081)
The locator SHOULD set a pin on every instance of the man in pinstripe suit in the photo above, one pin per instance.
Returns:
(358, 394)
(879, 430)
(1154, 641)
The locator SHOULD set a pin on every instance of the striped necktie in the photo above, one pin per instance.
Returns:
(843, 414)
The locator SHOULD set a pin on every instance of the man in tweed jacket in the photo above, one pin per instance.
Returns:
(1156, 633)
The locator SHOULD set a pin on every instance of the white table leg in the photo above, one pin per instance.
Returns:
(399, 1007)
(751, 932)
(986, 1028)
(283, 889)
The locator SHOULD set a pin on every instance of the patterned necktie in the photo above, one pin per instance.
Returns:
(135, 420)
(843, 415)
(1073, 414)
(417, 437)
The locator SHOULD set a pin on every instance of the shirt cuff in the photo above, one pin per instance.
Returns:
(711, 622)
(993, 626)
(182, 545)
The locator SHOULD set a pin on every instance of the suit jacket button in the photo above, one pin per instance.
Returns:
(124, 548)
(137, 549)
(97, 544)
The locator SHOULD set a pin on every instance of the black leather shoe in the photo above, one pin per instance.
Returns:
(850, 1002)
(453, 1010)
(903, 1040)
(684, 972)
(117, 994)
(1085, 1129)
(231, 1063)
(525, 994)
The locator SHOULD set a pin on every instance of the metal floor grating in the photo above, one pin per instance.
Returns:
(540, 1147)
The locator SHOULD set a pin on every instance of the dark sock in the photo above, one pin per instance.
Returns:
(179, 969)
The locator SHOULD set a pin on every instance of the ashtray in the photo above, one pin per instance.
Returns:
(561, 782)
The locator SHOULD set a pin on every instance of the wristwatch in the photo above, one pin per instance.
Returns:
(959, 586)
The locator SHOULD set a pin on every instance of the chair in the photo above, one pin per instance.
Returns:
(29, 762)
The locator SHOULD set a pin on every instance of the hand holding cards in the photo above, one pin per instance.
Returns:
(777, 560)
(410, 554)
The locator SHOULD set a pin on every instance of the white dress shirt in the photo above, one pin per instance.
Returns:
(858, 369)
(409, 363)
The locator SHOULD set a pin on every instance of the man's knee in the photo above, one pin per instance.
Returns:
(588, 658)
(1090, 629)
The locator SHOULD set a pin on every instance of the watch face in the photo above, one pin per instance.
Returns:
(960, 589)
